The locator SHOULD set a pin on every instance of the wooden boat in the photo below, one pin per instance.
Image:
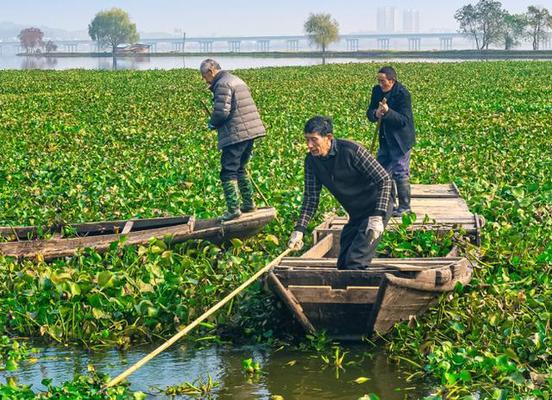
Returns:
(437, 207)
(22, 242)
(350, 305)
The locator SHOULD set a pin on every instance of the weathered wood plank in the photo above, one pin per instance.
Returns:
(320, 248)
(330, 277)
(53, 248)
(290, 301)
(394, 263)
(395, 306)
(325, 294)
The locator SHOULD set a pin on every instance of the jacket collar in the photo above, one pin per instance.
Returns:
(396, 87)
(217, 78)
(332, 152)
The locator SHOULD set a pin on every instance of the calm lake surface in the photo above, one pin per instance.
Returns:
(289, 373)
(145, 63)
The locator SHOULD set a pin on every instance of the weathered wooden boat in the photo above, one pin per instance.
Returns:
(437, 207)
(23, 242)
(350, 305)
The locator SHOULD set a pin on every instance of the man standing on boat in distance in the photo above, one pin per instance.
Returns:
(358, 182)
(391, 106)
(238, 123)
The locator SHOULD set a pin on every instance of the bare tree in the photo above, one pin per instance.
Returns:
(539, 21)
(31, 39)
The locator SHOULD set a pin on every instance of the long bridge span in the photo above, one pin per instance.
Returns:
(289, 43)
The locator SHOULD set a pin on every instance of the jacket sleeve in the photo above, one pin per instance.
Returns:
(311, 198)
(367, 165)
(223, 105)
(371, 112)
(401, 115)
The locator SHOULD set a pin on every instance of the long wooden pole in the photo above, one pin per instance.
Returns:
(375, 138)
(198, 321)
(376, 132)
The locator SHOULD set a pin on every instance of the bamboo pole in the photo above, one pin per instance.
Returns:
(376, 132)
(195, 323)
(375, 138)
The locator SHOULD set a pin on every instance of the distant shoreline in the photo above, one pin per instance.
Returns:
(437, 54)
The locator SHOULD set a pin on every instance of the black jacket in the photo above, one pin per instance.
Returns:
(397, 125)
(352, 175)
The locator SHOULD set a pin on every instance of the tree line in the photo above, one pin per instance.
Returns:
(486, 22)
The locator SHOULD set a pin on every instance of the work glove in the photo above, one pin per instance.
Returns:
(210, 126)
(296, 241)
(374, 229)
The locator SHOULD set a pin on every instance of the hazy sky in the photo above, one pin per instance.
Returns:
(236, 17)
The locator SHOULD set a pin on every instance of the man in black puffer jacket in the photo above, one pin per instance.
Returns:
(391, 105)
(238, 123)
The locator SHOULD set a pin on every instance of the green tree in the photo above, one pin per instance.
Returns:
(513, 29)
(322, 30)
(484, 22)
(112, 27)
(539, 21)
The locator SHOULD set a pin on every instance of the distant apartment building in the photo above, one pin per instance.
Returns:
(411, 21)
(386, 19)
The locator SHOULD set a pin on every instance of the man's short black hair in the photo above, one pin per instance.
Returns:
(319, 124)
(389, 72)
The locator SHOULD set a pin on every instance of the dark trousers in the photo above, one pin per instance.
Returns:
(234, 160)
(395, 163)
(355, 251)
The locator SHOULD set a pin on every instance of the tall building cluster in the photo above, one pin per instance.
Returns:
(388, 20)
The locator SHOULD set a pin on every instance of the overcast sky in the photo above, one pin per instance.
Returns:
(237, 17)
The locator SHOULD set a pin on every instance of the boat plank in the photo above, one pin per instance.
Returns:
(320, 248)
(325, 294)
(334, 278)
(291, 302)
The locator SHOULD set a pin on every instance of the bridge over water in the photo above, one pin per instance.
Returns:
(289, 43)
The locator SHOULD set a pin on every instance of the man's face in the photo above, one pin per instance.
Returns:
(318, 145)
(209, 76)
(384, 83)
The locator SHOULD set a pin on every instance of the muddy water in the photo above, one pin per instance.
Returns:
(291, 374)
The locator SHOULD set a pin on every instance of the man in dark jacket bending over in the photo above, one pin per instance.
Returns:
(357, 181)
(391, 105)
(238, 123)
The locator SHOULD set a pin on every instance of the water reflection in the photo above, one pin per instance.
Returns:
(146, 62)
(288, 373)
(39, 63)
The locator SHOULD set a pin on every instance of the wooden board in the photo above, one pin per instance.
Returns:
(434, 190)
(396, 263)
(437, 207)
(99, 236)
(329, 277)
(326, 294)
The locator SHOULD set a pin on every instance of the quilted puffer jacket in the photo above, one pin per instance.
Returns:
(235, 115)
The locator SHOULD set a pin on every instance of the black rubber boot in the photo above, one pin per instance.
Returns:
(230, 189)
(403, 194)
(246, 191)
